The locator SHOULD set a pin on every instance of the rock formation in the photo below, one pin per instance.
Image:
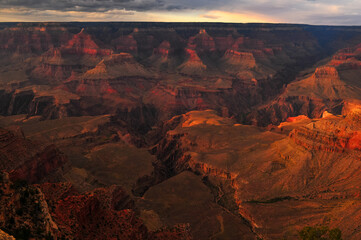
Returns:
(328, 88)
(178, 130)
(25, 160)
(193, 64)
(258, 168)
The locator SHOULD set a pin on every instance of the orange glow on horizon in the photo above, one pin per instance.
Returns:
(224, 16)
(22, 15)
(212, 16)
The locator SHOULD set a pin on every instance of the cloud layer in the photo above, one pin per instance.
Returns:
(332, 12)
(106, 5)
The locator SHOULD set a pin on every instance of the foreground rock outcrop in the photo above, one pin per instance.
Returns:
(24, 211)
(26, 160)
(59, 211)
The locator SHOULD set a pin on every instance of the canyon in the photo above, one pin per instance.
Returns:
(179, 130)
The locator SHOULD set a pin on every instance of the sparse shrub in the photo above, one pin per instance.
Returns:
(19, 211)
(22, 233)
(48, 236)
(18, 184)
(335, 234)
(320, 233)
(24, 196)
(11, 221)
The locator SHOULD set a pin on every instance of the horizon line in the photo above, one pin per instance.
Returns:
(187, 22)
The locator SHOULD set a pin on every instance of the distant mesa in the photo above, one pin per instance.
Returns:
(207, 117)
(234, 60)
(202, 42)
(82, 43)
(193, 65)
(126, 44)
(326, 72)
(116, 66)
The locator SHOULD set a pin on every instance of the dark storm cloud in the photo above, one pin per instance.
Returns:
(105, 5)
(85, 5)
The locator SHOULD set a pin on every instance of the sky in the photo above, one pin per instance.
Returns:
(319, 12)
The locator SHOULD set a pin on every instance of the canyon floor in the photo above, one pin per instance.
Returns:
(179, 130)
